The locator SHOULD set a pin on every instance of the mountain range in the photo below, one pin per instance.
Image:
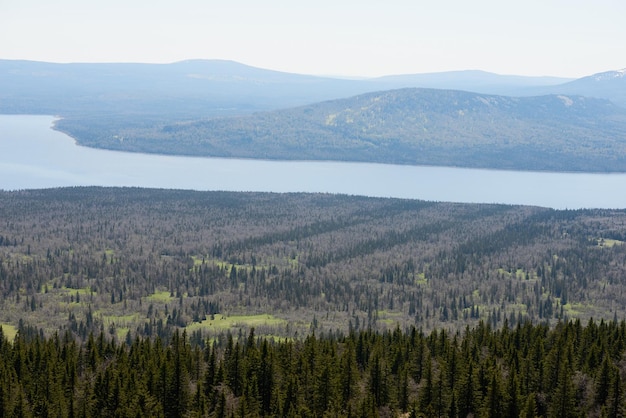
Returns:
(234, 88)
(223, 108)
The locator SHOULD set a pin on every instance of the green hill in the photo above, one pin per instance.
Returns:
(406, 126)
(151, 261)
(206, 108)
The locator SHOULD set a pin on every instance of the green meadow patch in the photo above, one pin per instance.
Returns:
(9, 331)
(120, 324)
(517, 274)
(608, 243)
(120, 319)
(221, 323)
(421, 280)
(582, 310)
(291, 261)
(389, 318)
(161, 296)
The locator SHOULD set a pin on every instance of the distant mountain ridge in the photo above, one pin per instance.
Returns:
(471, 80)
(201, 88)
(224, 108)
(610, 75)
(195, 88)
(609, 85)
(410, 126)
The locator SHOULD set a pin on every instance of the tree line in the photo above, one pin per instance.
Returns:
(569, 370)
(141, 262)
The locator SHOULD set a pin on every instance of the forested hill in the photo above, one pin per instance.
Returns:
(406, 126)
(186, 89)
(157, 303)
(203, 88)
(141, 262)
(527, 371)
(198, 107)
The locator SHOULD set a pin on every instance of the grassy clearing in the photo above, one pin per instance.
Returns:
(198, 260)
(517, 308)
(120, 319)
(122, 323)
(9, 331)
(519, 274)
(161, 296)
(608, 243)
(387, 321)
(222, 323)
(82, 292)
(49, 287)
(389, 318)
(121, 332)
(291, 261)
(421, 280)
(573, 309)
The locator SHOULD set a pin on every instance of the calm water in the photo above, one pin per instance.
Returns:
(34, 156)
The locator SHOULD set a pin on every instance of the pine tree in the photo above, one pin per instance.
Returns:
(494, 401)
(562, 403)
(615, 406)
(266, 378)
(603, 382)
(426, 395)
(348, 374)
(530, 407)
(512, 395)
(378, 384)
(176, 399)
(468, 395)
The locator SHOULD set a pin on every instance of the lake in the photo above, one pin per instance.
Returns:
(32, 155)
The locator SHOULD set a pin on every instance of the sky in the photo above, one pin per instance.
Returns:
(566, 38)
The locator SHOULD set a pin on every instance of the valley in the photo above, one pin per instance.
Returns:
(125, 301)
(144, 262)
(225, 109)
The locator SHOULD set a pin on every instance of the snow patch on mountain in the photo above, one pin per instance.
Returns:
(566, 100)
(609, 75)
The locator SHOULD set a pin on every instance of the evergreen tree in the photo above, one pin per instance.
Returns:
(562, 402)
(495, 400)
(530, 407)
(266, 378)
(378, 384)
(603, 382)
(468, 395)
(615, 405)
(348, 373)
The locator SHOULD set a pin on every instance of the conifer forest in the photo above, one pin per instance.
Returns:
(145, 303)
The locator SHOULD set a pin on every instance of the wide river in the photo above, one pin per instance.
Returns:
(34, 156)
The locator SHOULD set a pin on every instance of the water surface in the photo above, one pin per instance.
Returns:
(34, 156)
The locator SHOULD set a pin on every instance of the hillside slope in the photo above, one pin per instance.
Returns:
(152, 261)
(609, 85)
(204, 88)
(194, 88)
(406, 126)
(212, 108)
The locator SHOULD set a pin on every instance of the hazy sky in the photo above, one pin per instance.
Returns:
(569, 38)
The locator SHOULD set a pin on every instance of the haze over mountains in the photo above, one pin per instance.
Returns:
(218, 108)
(423, 127)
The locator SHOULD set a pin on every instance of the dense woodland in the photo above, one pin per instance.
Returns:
(570, 370)
(226, 109)
(146, 262)
(405, 126)
(119, 302)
